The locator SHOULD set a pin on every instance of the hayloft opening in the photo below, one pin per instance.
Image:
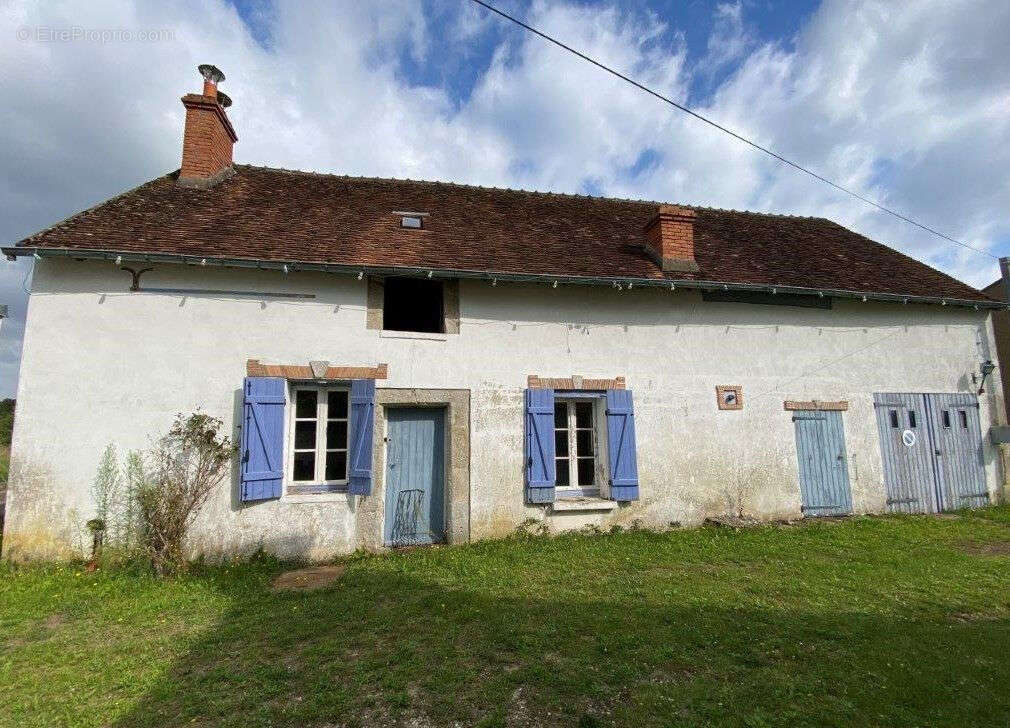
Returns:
(413, 304)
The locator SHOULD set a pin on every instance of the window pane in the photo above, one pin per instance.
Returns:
(561, 472)
(336, 465)
(305, 403)
(946, 418)
(584, 442)
(305, 466)
(911, 419)
(894, 418)
(587, 466)
(305, 435)
(560, 414)
(964, 419)
(336, 405)
(583, 414)
(561, 443)
(336, 435)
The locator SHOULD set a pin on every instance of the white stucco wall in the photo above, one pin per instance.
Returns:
(101, 365)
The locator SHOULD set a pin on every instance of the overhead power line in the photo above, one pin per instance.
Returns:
(735, 135)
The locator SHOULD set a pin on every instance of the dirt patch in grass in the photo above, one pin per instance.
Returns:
(963, 617)
(54, 621)
(308, 579)
(995, 548)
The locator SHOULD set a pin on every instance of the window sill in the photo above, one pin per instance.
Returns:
(314, 493)
(309, 498)
(388, 334)
(317, 488)
(583, 503)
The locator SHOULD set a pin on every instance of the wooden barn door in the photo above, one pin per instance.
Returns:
(824, 472)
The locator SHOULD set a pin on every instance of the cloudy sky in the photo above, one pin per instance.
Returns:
(907, 102)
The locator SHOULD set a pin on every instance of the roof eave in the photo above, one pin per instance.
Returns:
(491, 276)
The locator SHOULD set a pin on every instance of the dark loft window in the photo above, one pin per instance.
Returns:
(767, 299)
(413, 304)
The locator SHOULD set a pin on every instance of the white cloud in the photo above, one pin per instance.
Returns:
(728, 42)
(907, 103)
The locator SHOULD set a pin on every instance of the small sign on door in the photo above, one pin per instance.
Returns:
(908, 438)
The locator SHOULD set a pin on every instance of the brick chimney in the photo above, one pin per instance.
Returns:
(669, 238)
(208, 138)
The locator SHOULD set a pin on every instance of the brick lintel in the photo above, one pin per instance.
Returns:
(253, 368)
(793, 405)
(535, 381)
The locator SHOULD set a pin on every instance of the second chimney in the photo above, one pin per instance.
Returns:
(669, 238)
(209, 137)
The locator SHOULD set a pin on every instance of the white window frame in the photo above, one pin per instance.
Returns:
(599, 439)
(322, 418)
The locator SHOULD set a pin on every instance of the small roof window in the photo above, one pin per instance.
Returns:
(411, 220)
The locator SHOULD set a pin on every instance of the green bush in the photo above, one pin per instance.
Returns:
(178, 476)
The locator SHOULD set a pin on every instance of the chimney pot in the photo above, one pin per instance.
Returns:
(669, 238)
(209, 137)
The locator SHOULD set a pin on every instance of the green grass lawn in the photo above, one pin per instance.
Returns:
(5, 464)
(869, 621)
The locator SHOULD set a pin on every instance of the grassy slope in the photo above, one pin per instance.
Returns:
(5, 463)
(865, 622)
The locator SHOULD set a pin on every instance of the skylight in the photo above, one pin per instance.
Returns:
(411, 220)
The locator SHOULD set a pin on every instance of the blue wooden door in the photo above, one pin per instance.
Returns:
(824, 471)
(932, 450)
(415, 476)
(907, 452)
(956, 439)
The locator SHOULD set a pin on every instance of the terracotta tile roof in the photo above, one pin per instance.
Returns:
(280, 215)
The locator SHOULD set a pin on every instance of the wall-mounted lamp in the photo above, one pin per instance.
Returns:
(986, 369)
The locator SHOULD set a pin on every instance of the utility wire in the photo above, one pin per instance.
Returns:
(732, 133)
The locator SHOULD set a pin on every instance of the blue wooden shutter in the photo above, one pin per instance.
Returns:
(540, 445)
(621, 441)
(262, 472)
(362, 426)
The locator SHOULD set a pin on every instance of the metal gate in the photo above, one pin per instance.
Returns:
(824, 472)
(932, 451)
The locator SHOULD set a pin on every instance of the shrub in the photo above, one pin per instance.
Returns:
(106, 489)
(129, 516)
(532, 528)
(182, 470)
(115, 499)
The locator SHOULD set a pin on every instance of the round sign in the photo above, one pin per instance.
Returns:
(908, 437)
